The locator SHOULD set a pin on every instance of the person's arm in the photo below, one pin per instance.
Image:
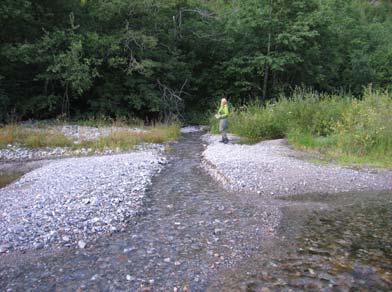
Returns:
(217, 115)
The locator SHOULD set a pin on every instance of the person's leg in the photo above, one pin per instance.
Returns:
(223, 130)
(224, 137)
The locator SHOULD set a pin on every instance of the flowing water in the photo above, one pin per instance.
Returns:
(347, 247)
(193, 235)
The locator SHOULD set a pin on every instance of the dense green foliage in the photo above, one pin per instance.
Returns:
(341, 127)
(139, 58)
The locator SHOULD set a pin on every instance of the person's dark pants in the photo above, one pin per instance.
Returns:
(222, 129)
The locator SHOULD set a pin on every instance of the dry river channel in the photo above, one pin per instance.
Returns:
(193, 235)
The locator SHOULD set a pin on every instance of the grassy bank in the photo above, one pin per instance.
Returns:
(344, 129)
(128, 139)
(121, 138)
(32, 137)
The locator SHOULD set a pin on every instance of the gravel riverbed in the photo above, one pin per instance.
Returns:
(189, 230)
(70, 201)
(189, 233)
(272, 168)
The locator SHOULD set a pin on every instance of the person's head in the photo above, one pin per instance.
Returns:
(223, 101)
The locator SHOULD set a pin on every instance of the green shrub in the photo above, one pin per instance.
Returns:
(366, 127)
(304, 112)
(313, 113)
(255, 122)
(197, 118)
(344, 128)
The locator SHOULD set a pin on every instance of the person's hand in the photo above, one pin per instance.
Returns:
(217, 116)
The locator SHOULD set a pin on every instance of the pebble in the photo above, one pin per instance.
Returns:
(82, 244)
(218, 231)
(38, 245)
(4, 248)
(130, 278)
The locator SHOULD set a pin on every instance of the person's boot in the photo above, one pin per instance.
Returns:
(225, 140)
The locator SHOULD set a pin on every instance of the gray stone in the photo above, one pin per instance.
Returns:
(4, 248)
(82, 244)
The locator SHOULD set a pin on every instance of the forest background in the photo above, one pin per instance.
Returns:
(132, 59)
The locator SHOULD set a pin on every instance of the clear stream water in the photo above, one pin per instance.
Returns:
(345, 247)
(194, 235)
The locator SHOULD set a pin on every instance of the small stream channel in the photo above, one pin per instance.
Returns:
(12, 171)
(7, 177)
(194, 235)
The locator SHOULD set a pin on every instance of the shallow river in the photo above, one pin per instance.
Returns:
(193, 235)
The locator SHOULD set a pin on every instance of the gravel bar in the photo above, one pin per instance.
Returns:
(273, 168)
(70, 201)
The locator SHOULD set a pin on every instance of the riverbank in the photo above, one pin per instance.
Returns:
(45, 141)
(69, 202)
(71, 195)
(273, 168)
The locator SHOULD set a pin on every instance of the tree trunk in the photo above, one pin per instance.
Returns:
(66, 104)
(266, 66)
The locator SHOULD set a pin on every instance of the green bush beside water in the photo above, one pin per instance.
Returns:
(341, 127)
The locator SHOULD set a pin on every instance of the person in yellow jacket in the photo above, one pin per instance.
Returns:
(222, 115)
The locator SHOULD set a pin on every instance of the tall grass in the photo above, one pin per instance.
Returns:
(127, 140)
(105, 121)
(119, 139)
(305, 111)
(32, 138)
(365, 130)
(342, 127)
